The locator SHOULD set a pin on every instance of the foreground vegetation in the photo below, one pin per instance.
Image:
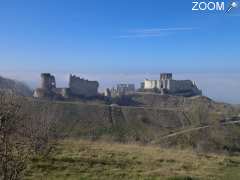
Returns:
(81, 159)
(32, 145)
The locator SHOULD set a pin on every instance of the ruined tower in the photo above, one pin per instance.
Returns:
(48, 81)
(166, 76)
(78, 87)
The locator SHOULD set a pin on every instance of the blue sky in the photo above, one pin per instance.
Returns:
(121, 40)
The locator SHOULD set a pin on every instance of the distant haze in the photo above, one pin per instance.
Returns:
(121, 41)
(218, 86)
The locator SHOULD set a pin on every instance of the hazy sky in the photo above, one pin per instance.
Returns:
(121, 40)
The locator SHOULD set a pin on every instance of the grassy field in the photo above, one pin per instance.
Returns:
(80, 159)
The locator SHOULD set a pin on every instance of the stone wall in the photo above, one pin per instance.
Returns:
(166, 76)
(176, 87)
(180, 85)
(120, 90)
(151, 84)
(77, 87)
(48, 81)
(48, 85)
(126, 88)
(82, 87)
(158, 84)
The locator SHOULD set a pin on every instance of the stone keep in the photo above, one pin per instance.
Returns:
(82, 87)
(47, 81)
(175, 87)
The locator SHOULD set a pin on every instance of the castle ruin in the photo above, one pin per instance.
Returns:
(167, 85)
(82, 87)
(120, 90)
(48, 81)
(78, 87)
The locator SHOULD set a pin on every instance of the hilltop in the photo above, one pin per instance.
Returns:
(14, 86)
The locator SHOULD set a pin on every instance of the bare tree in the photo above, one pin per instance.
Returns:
(13, 146)
(43, 131)
(23, 134)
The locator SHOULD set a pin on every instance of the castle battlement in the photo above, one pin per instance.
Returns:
(167, 85)
(77, 87)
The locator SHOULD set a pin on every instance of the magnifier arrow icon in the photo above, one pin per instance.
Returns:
(232, 5)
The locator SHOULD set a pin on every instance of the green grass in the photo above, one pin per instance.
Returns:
(80, 160)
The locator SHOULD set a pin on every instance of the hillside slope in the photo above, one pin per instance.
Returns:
(147, 123)
(16, 87)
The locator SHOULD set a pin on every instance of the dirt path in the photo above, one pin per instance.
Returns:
(197, 129)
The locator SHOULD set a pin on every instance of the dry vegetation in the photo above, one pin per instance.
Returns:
(30, 147)
(22, 137)
(81, 159)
